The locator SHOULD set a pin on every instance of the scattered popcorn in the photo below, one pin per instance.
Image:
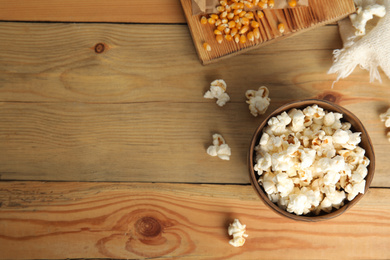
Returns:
(258, 100)
(385, 117)
(219, 148)
(364, 14)
(309, 161)
(237, 230)
(217, 90)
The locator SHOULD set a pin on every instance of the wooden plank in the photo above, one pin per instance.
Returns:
(117, 11)
(90, 220)
(138, 142)
(68, 113)
(318, 13)
(64, 67)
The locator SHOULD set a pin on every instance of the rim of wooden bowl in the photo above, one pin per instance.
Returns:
(365, 143)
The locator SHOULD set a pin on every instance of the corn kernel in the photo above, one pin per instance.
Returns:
(222, 27)
(203, 20)
(249, 15)
(226, 30)
(218, 22)
(241, 14)
(237, 11)
(211, 20)
(237, 38)
(243, 38)
(250, 36)
(236, 19)
(219, 38)
(223, 2)
(260, 14)
(281, 28)
(223, 14)
(244, 21)
(264, 1)
(217, 32)
(220, 9)
(230, 16)
(248, 4)
(255, 24)
(228, 37)
(233, 31)
(207, 46)
(262, 5)
(256, 33)
(214, 16)
(228, 8)
(271, 3)
(232, 24)
(234, 6)
(224, 20)
(292, 3)
(244, 29)
(240, 5)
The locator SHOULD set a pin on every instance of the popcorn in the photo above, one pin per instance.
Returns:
(385, 117)
(354, 189)
(359, 174)
(340, 137)
(277, 125)
(363, 15)
(307, 157)
(237, 230)
(217, 90)
(263, 164)
(298, 120)
(309, 161)
(302, 201)
(219, 148)
(331, 178)
(284, 184)
(258, 100)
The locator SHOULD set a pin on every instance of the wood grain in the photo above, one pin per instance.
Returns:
(122, 11)
(77, 220)
(295, 20)
(69, 113)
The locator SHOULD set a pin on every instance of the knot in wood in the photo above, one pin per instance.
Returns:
(99, 48)
(148, 227)
(330, 97)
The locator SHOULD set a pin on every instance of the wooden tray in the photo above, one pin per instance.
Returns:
(296, 20)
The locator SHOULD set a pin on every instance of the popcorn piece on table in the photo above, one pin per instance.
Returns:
(364, 14)
(219, 148)
(385, 117)
(309, 161)
(237, 230)
(217, 90)
(258, 100)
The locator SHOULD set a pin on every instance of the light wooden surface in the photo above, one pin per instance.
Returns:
(118, 11)
(131, 123)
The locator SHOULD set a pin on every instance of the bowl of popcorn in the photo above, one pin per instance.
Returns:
(311, 160)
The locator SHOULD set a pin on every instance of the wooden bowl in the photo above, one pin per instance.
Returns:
(365, 143)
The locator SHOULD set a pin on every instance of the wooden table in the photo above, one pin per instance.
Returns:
(104, 130)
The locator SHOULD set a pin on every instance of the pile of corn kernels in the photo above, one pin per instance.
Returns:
(234, 23)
